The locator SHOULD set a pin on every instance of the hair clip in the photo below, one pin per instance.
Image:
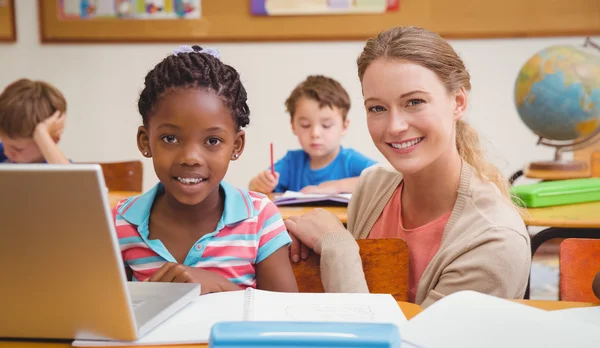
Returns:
(189, 49)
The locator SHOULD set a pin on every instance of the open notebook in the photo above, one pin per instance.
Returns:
(193, 323)
(468, 319)
(293, 197)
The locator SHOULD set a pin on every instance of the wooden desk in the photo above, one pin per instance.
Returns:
(409, 309)
(555, 305)
(286, 211)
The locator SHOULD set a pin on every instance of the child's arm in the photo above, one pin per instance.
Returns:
(275, 272)
(596, 285)
(272, 265)
(264, 182)
(209, 281)
(46, 135)
(346, 185)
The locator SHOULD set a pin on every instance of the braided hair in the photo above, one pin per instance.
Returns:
(195, 69)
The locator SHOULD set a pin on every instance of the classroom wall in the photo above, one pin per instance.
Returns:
(101, 83)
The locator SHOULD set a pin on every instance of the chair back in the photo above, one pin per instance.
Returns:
(579, 264)
(123, 176)
(385, 264)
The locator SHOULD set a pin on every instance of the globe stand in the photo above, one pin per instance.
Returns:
(561, 168)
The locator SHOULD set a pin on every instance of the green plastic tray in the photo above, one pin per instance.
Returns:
(559, 192)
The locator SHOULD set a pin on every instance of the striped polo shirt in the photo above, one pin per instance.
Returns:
(249, 231)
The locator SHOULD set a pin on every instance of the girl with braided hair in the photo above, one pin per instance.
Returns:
(192, 226)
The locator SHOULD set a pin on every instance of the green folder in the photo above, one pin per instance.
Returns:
(559, 192)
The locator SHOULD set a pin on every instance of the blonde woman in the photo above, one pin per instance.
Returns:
(442, 197)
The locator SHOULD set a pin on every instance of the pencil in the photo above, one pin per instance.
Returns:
(272, 166)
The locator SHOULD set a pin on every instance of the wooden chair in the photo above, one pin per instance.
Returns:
(123, 176)
(385, 264)
(579, 263)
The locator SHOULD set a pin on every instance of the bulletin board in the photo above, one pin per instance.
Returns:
(8, 32)
(231, 20)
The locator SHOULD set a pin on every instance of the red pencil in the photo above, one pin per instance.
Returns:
(272, 166)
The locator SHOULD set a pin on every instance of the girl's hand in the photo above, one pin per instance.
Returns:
(209, 282)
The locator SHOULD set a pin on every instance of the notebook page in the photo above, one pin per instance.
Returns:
(292, 197)
(587, 314)
(191, 324)
(365, 308)
(294, 194)
(469, 319)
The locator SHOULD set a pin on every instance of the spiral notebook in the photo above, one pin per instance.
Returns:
(193, 323)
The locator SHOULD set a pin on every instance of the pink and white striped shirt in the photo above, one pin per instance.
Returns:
(249, 231)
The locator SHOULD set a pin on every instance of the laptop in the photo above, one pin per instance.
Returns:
(61, 269)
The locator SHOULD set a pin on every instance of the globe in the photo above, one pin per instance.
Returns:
(557, 93)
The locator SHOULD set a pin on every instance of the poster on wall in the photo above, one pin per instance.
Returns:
(129, 9)
(321, 7)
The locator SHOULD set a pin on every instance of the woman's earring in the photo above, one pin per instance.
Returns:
(235, 155)
(146, 153)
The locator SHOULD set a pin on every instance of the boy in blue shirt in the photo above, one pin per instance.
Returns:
(32, 120)
(318, 108)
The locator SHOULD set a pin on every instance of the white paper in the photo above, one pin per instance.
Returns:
(71, 7)
(299, 195)
(193, 323)
(470, 319)
(293, 197)
(106, 8)
(360, 308)
(587, 314)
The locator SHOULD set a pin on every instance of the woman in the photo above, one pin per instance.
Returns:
(451, 206)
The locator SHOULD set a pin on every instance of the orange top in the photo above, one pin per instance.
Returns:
(423, 242)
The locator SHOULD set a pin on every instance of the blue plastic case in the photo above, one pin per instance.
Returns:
(303, 334)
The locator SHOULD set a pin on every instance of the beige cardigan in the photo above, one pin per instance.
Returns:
(485, 246)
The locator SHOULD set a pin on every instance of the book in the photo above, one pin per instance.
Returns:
(557, 192)
(587, 314)
(297, 198)
(470, 319)
(193, 323)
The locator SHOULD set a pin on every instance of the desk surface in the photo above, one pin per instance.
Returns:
(586, 215)
(409, 309)
(286, 211)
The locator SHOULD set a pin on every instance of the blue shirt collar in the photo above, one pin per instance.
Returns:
(238, 206)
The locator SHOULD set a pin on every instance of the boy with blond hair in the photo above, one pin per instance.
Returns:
(318, 108)
(32, 120)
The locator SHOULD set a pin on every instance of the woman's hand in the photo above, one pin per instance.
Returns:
(306, 230)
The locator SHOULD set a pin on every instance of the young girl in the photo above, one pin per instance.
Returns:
(448, 203)
(192, 227)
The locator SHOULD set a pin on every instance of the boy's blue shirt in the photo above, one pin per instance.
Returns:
(295, 172)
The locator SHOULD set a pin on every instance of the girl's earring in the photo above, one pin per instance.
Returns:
(146, 153)
(235, 155)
